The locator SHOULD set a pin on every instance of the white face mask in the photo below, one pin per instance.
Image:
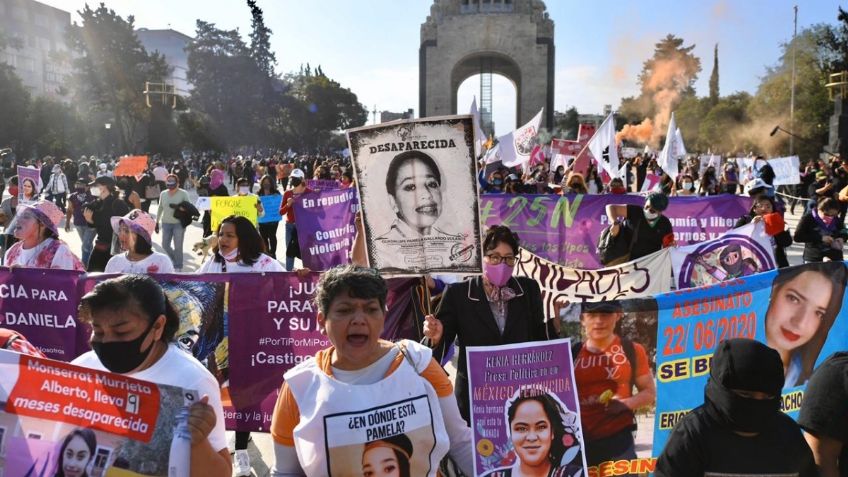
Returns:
(244, 190)
(95, 191)
(231, 256)
(650, 215)
(687, 185)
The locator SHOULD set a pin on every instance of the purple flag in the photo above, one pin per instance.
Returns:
(323, 184)
(565, 229)
(325, 227)
(42, 305)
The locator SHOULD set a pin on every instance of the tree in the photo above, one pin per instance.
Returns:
(718, 129)
(54, 128)
(260, 41)
(110, 69)
(15, 100)
(833, 42)
(714, 91)
(567, 123)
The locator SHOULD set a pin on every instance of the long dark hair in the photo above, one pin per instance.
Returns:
(138, 293)
(250, 244)
(553, 411)
(838, 276)
(273, 185)
(402, 448)
(90, 439)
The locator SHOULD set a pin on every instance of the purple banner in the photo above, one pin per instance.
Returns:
(325, 227)
(323, 184)
(273, 326)
(42, 305)
(28, 176)
(565, 229)
(526, 383)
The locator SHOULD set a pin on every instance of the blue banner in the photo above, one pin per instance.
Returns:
(271, 206)
(798, 311)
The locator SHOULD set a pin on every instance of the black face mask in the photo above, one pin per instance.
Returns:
(737, 412)
(296, 181)
(123, 356)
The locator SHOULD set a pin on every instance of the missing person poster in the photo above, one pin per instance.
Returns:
(60, 419)
(418, 191)
(524, 410)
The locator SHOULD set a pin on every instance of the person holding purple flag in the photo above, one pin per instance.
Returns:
(494, 309)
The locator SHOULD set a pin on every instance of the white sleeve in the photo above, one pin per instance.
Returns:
(64, 259)
(209, 386)
(459, 434)
(285, 462)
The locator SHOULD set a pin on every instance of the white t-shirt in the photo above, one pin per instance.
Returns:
(64, 259)
(263, 264)
(177, 368)
(154, 263)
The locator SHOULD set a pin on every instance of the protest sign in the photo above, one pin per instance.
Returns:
(418, 190)
(131, 166)
(509, 384)
(646, 276)
(203, 203)
(325, 227)
(763, 307)
(709, 160)
(271, 206)
(614, 360)
(565, 229)
(738, 253)
(223, 207)
(28, 177)
(322, 184)
(787, 170)
(42, 305)
(109, 422)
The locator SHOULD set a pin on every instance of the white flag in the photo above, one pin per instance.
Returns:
(493, 154)
(516, 147)
(604, 141)
(681, 148)
(479, 135)
(669, 154)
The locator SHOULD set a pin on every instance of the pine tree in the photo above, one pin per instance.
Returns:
(714, 92)
(260, 41)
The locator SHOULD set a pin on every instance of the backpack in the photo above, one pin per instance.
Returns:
(614, 250)
(629, 353)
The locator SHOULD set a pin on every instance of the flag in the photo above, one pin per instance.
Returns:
(515, 147)
(493, 154)
(479, 135)
(537, 156)
(681, 149)
(669, 154)
(603, 143)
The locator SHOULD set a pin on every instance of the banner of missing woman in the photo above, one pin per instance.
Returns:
(562, 286)
(418, 191)
(109, 424)
(524, 409)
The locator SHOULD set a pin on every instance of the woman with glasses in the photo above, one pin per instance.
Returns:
(651, 229)
(494, 309)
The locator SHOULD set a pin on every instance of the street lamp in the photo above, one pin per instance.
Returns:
(108, 127)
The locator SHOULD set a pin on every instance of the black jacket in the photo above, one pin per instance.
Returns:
(465, 314)
(809, 233)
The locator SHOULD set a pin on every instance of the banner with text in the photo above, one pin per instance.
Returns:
(516, 386)
(565, 229)
(325, 227)
(562, 286)
(223, 207)
(109, 424)
(271, 206)
(767, 307)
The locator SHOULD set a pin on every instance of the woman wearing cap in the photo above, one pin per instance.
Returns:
(652, 229)
(99, 213)
(297, 181)
(135, 232)
(38, 246)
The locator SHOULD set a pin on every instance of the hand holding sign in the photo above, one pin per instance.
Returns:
(201, 420)
(433, 329)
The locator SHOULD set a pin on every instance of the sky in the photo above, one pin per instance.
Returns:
(371, 46)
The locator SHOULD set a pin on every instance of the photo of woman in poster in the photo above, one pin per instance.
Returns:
(805, 301)
(544, 436)
(76, 453)
(414, 188)
(387, 457)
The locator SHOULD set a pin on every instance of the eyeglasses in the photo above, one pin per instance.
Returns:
(497, 259)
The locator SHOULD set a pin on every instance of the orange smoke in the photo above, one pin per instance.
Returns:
(640, 133)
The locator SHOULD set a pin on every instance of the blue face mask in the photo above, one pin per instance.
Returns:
(497, 182)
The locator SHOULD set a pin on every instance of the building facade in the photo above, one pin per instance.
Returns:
(171, 44)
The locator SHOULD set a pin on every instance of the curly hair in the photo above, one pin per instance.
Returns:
(358, 282)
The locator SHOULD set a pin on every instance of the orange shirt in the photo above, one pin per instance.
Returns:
(601, 376)
(287, 415)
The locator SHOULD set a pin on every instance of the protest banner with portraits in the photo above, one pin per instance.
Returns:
(524, 409)
(417, 185)
(61, 419)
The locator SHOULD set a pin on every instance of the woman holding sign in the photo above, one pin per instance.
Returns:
(268, 230)
(364, 393)
(133, 328)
